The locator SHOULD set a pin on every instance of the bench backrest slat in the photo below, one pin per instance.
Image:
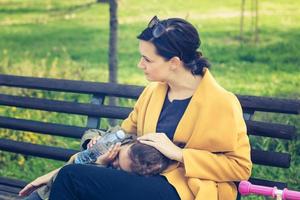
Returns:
(259, 157)
(42, 127)
(270, 130)
(8, 189)
(254, 128)
(270, 158)
(65, 107)
(56, 153)
(10, 182)
(267, 104)
(50, 84)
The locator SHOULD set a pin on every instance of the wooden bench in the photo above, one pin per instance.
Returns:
(96, 110)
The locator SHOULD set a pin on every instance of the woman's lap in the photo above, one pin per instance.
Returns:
(91, 182)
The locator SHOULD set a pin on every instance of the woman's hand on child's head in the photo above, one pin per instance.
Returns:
(162, 143)
(109, 156)
(93, 141)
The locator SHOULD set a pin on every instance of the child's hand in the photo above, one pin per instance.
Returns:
(109, 156)
(93, 141)
(30, 187)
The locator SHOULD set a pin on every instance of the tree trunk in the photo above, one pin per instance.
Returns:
(102, 1)
(242, 20)
(113, 50)
(256, 22)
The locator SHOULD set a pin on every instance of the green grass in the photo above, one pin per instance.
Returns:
(69, 39)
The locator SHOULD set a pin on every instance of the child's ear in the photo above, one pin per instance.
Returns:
(153, 169)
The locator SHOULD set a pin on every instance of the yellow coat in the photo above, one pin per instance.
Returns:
(217, 149)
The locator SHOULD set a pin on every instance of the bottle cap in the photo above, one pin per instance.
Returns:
(120, 134)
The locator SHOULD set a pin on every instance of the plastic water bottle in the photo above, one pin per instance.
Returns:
(102, 146)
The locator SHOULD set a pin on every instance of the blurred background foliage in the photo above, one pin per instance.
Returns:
(69, 40)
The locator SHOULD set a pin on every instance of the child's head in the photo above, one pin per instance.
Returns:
(140, 159)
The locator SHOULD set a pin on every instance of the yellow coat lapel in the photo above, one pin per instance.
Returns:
(202, 125)
(154, 108)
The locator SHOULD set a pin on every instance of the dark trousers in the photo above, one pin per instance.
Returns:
(80, 182)
(33, 196)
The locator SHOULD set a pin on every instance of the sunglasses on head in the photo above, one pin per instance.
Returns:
(157, 28)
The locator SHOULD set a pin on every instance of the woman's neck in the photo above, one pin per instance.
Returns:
(183, 85)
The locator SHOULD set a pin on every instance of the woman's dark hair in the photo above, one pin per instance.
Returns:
(181, 39)
(146, 160)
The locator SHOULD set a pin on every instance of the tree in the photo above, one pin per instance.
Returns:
(254, 19)
(113, 48)
(102, 1)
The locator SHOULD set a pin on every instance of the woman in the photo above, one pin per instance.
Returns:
(185, 115)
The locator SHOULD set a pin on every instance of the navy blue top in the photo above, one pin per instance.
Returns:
(170, 116)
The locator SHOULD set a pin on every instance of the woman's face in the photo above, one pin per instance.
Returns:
(123, 160)
(154, 66)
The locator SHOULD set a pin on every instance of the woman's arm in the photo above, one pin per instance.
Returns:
(233, 164)
(219, 167)
(129, 125)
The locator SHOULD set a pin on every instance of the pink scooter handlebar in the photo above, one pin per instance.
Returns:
(246, 188)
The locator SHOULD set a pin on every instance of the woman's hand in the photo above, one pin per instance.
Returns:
(109, 156)
(93, 141)
(30, 187)
(163, 144)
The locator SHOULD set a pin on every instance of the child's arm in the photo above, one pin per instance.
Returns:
(109, 156)
(38, 182)
(42, 180)
(71, 159)
(90, 136)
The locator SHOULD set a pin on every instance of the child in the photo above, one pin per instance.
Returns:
(132, 156)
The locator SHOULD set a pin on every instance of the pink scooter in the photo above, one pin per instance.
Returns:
(246, 188)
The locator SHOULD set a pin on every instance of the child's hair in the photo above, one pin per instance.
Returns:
(146, 160)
